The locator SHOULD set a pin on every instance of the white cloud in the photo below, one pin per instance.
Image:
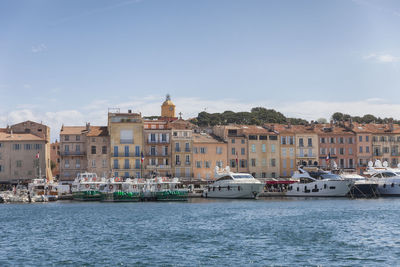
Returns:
(39, 48)
(96, 112)
(382, 58)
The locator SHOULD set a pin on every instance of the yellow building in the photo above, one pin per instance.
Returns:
(126, 144)
(287, 142)
(168, 108)
(306, 145)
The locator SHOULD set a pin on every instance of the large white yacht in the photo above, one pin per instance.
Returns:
(318, 184)
(233, 185)
(388, 178)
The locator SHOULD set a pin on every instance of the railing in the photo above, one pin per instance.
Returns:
(126, 141)
(305, 155)
(187, 149)
(73, 153)
(157, 154)
(125, 155)
(160, 167)
(178, 163)
(157, 141)
(395, 154)
(378, 154)
(187, 163)
(177, 149)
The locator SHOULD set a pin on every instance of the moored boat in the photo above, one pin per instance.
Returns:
(168, 190)
(388, 179)
(233, 185)
(86, 187)
(116, 190)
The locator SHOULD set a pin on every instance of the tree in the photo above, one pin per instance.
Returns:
(322, 120)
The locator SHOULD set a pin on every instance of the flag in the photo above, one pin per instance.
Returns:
(328, 157)
(142, 156)
(37, 155)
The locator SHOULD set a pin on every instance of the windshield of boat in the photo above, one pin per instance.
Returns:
(330, 176)
(242, 176)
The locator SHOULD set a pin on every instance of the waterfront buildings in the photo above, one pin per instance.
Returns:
(73, 151)
(126, 143)
(98, 150)
(287, 141)
(24, 152)
(385, 142)
(209, 151)
(306, 139)
(55, 159)
(157, 148)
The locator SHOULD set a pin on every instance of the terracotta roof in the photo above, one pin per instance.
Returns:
(72, 129)
(254, 129)
(19, 137)
(98, 131)
(334, 129)
(205, 138)
(181, 125)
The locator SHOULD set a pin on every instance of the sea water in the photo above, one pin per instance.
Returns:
(202, 232)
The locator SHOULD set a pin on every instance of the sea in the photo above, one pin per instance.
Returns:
(203, 232)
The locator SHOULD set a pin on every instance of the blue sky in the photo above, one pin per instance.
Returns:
(68, 61)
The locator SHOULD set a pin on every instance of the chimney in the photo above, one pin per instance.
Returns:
(331, 124)
(11, 133)
(129, 110)
(391, 128)
(289, 125)
(88, 126)
(272, 128)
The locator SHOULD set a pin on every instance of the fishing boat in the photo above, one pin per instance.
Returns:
(318, 183)
(116, 190)
(42, 191)
(233, 185)
(86, 187)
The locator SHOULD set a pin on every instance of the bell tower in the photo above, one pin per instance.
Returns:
(168, 108)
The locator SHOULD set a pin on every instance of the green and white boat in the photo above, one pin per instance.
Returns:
(167, 189)
(116, 190)
(86, 187)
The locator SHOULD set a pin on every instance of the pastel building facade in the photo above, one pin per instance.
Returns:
(209, 151)
(98, 151)
(126, 144)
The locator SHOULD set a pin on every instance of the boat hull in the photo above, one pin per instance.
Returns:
(86, 196)
(234, 191)
(364, 190)
(333, 188)
(121, 197)
(389, 188)
(175, 195)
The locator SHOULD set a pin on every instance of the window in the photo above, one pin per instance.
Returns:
(177, 160)
(1, 168)
(187, 147)
(66, 163)
(104, 163)
(16, 146)
(273, 148)
(219, 163)
(243, 151)
(341, 151)
(78, 138)
(37, 146)
(332, 140)
(243, 163)
(350, 151)
(207, 164)
(309, 141)
(273, 137)
(19, 163)
(198, 164)
(360, 149)
(252, 137)
(219, 150)
(1, 145)
(264, 162)
(233, 151)
(104, 150)
(284, 163)
(93, 149)
(350, 140)
(233, 141)
(116, 164)
(273, 162)
(137, 164)
(253, 162)
(322, 140)
(291, 152)
(153, 151)
(367, 149)
(263, 148)
(291, 140)
(233, 163)
(152, 138)
(367, 138)
(263, 137)
(164, 138)
(291, 164)
(165, 151)
(66, 138)
(253, 148)
(360, 138)
(283, 152)
(283, 140)
(243, 141)
(115, 151)
(126, 136)
(187, 162)
(177, 148)
(301, 143)
(27, 146)
(126, 164)
(341, 140)
(175, 134)
(322, 151)
(137, 151)
(202, 150)
(77, 148)
(195, 150)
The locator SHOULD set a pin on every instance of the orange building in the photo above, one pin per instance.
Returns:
(55, 159)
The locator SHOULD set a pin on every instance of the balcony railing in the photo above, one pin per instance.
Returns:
(125, 155)
(177, 149)
(157, 141)
(126, 141)
(187, 163)
(125, 167)
(73, 153)
(157, 154)
(187, 149)
(159, 167)
(305, 155)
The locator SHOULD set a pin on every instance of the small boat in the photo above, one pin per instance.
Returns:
(116, 190)
(388, 179)
(42, 191)
(86, 187)
(233, 185)
(318, 184)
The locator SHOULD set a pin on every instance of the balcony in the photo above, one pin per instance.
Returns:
(305, 155)
(187, 163)
(378, 154)
(158, 167)
(178, 163)
(177, 149)
(73, 153)
(126, 155)
(187, 149)
(395, 154)
(157, 154)
(126, 141)
(155, 142)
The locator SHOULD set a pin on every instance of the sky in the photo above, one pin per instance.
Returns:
(68, 61)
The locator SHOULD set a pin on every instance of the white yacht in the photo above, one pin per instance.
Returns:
(388, 179)
(318, 184)
(233, 185)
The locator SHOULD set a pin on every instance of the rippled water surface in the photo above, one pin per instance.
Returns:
(279, 232)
